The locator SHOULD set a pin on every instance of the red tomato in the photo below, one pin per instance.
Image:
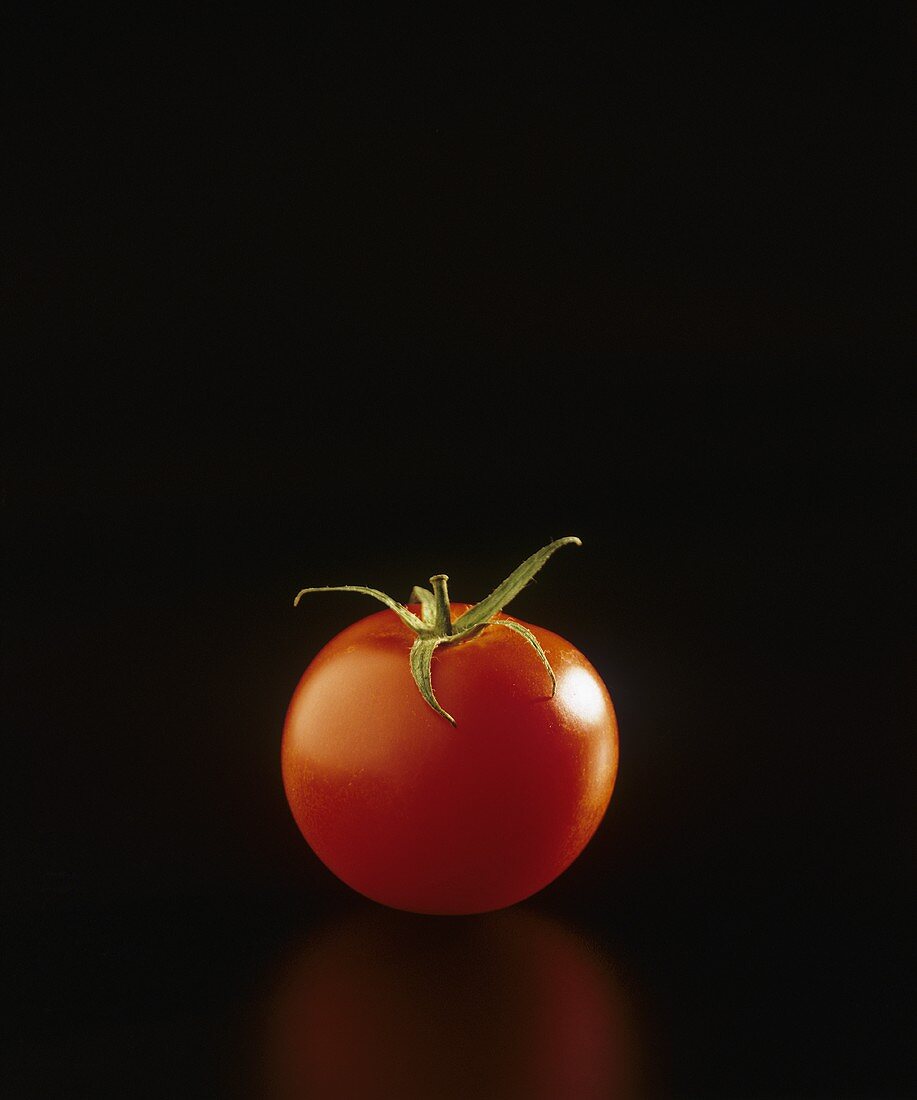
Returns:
(422, 815)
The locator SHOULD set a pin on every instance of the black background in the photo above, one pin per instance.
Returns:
(354, 299)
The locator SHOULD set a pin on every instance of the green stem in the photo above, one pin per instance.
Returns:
(442, 623)
(437, 628)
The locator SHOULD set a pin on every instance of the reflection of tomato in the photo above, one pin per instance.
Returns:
(421, 815)
(507, 1005)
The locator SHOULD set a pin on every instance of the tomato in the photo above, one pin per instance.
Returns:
(420, 814)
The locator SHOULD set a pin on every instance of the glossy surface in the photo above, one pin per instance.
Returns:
(512, 1004)
(420, 816)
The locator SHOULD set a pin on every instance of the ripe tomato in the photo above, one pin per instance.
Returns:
(424, 815)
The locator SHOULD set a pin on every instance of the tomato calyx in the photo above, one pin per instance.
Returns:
(436, 627)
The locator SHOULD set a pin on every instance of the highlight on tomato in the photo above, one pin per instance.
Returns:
(448, 758)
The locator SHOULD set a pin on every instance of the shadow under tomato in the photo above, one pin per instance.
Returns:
(388, 1004)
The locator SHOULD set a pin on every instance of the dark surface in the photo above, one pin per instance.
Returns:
(334, 301)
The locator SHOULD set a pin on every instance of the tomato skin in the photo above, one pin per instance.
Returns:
(422, 816)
